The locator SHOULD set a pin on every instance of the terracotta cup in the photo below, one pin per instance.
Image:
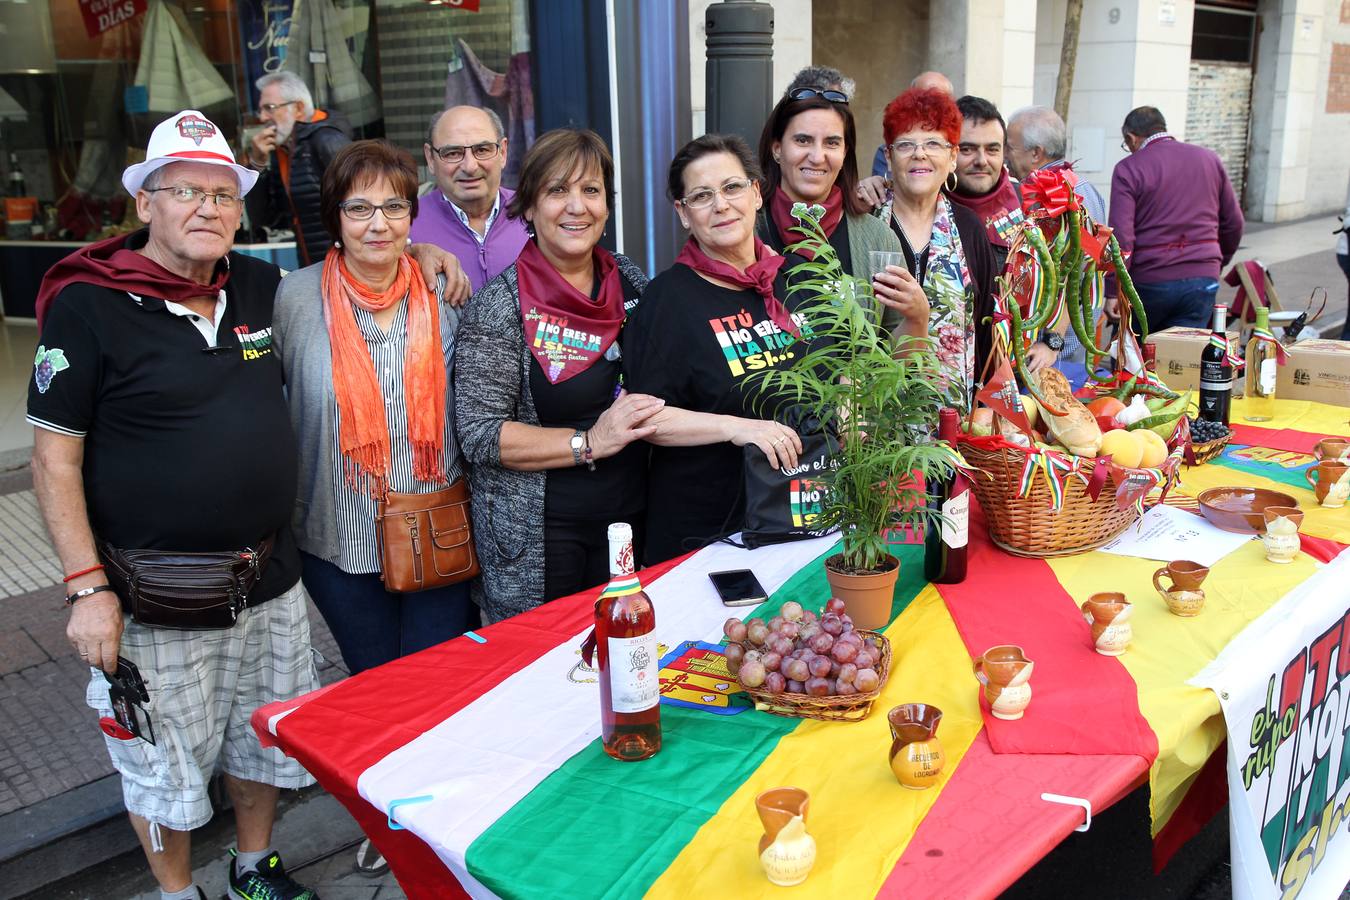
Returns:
(916, 755)
(1109, 615)
(1323, 478)
(1184, 574)
(776, 807)
(1005, 673)
(1283, 547)
(1332, 448)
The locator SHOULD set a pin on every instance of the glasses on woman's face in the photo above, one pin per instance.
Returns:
(361, 210)
(704, 197)
(909, 148)
(454, 153)
(808, 93)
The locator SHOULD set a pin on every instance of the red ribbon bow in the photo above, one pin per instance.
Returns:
(1051, 190)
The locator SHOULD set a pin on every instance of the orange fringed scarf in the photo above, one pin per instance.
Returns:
(363, 432)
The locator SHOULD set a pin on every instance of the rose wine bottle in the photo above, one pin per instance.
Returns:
(625, 641)
(945, 539)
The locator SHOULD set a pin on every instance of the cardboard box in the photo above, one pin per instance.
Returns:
(1316, 370)
(1178, 355)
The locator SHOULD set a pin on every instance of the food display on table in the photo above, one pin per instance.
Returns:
(806, 665)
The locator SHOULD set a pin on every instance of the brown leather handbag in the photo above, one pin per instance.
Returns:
(425, 539)
(190, 591)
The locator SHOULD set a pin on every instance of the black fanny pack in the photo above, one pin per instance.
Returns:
(191, 591)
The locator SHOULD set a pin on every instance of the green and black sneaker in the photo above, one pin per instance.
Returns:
(268, 882)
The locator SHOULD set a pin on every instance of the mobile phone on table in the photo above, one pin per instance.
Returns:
(738, 587)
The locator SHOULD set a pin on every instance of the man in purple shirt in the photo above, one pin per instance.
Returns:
(466, 214)
(1177, 220)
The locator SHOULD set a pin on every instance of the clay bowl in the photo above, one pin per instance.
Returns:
(1241, 509)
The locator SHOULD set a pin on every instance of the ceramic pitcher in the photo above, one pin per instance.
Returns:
(786, 851)
(1005, 673)
(916, 753)
(1330, 480)
(1281, 535)
(1332, 448)
(1184, 597)
(1109, 615)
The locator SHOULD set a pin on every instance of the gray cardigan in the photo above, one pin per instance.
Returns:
(301, 337)
(492, 386)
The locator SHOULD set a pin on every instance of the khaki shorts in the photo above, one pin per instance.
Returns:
(204, 686)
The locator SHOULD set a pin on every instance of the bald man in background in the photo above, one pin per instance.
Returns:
(927, 81)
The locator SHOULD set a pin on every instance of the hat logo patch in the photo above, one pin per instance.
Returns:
(195, 128)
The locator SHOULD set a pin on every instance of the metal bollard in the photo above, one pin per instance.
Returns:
(740, 67)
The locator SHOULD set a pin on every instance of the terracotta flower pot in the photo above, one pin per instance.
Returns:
(867, 597)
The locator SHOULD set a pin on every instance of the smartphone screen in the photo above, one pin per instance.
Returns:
(738, 587)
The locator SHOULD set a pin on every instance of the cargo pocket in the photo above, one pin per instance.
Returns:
(137, 760)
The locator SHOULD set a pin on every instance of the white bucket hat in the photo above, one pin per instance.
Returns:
(187, 136)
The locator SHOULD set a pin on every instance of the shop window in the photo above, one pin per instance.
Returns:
(1223, 35)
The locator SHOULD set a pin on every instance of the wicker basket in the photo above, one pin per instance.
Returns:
(1203, 453)
(845, 708)
(1028, 526)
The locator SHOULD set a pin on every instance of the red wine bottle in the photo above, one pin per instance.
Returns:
(945, 539)
(1216, 373)
(625, 642)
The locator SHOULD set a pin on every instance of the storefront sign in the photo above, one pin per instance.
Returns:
(265, 26)
(1284, 685)
(105, 15)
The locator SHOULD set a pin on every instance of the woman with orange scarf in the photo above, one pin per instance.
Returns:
(367, 350)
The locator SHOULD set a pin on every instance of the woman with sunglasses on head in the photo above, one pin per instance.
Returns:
(552, 438)
(706, 324)
(366, 350)
(806, 152)
(947, 251)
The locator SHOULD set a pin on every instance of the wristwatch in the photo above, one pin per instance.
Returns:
(578, 444)
(1053, 340)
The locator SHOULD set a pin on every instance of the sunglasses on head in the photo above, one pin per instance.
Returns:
(808, 93)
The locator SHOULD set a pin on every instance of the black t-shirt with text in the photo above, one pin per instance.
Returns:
(186, 447)
(696, 345)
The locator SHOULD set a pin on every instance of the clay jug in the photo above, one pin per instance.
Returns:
(1005, 673)
(1332, 448)
(786, 851)
(1184, 598)
(1330, 481)
(916, 753)
(1109, 615)
(1281, 535)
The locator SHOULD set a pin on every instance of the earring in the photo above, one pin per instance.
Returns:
(951, 177)
(409, 242)
(777, 158)
(337, 244)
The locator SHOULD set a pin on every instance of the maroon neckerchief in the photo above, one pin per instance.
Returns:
(112, 264)
(758, 277)
(991, 207)
(566, 330)
(790, 231)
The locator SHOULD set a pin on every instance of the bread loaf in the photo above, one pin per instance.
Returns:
(1076, 430)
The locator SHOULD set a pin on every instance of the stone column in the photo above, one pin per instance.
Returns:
(966, 43)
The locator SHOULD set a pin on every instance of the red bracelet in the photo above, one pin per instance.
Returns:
(73, 575)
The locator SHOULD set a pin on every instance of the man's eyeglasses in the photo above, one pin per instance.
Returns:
(186, 195)
(909, 148)
(270, 108)
(364, 209)
(703, 198)
(808, 93)
(454, 153)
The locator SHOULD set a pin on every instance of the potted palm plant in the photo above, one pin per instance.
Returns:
(880, 399)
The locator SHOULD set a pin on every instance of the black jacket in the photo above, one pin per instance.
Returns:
(270, 204)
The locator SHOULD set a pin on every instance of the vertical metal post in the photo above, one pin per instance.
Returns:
(740, 67)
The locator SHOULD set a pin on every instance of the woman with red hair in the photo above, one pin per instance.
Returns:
(946, 250)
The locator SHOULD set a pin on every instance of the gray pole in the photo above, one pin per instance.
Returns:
(740, 67)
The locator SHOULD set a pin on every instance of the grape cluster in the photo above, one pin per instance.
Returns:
(798, 652)
(1202, 432)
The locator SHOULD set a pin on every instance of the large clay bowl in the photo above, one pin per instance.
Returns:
(1241, 509)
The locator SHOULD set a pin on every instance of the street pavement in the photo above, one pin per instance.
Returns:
(60, 806)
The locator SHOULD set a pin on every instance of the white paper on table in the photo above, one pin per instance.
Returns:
(1165, 533)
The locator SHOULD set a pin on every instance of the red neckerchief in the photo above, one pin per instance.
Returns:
(566, 330)
(758, 277)
(1000, 203)
(112, 264)
(790, 231)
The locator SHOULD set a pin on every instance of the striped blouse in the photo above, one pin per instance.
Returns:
(360, 552)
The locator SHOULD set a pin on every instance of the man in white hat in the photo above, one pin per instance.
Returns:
(161, 430)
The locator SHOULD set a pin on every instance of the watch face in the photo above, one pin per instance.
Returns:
(1053, 341)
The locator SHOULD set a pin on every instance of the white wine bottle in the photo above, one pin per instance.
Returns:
(1262, 369)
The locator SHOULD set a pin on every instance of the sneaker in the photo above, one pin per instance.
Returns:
(268, 882)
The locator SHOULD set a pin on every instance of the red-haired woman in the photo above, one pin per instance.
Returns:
(945, 245)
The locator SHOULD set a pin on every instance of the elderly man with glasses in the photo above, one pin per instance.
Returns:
(293, 150)
(466, 213)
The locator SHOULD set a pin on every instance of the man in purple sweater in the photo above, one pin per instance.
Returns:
(466, 214)
(1177, 219)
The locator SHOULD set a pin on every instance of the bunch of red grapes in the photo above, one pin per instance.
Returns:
(797, 652)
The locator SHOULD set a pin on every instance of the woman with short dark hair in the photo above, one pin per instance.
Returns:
(551, 436)
(367, 349)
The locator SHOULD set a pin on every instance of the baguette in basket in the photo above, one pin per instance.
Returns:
(1076, 430)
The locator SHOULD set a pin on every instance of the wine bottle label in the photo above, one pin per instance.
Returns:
(956, 521)
(1269, 374)
(633, 682)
